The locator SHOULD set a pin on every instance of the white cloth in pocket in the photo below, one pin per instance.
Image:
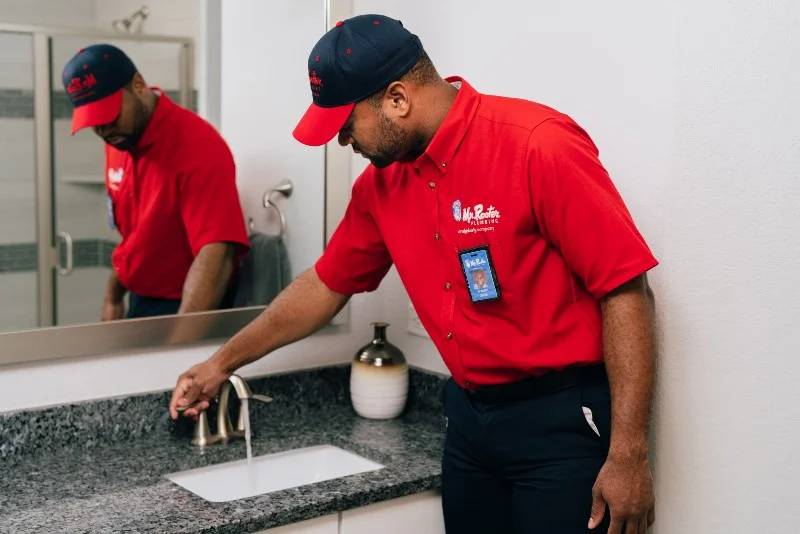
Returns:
(587, 413)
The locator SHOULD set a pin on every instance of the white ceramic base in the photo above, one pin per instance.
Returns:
(378, 392)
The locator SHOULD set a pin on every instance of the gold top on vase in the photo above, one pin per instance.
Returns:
(379, 352)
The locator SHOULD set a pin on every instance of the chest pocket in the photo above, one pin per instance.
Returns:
(501, 266)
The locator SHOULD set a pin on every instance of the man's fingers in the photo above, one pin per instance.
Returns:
(643, 524)
(651, 516)
(598, 509)
(195, 410)
(182, 395)
(616, 525)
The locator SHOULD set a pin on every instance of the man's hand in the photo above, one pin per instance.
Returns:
(627, 487)
(196, 387)
(297, 312)
(112, 311)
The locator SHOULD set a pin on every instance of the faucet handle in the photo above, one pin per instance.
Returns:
(240, 423)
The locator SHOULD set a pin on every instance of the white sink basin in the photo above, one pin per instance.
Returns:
(271, 472)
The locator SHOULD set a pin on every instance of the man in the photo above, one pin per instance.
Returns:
(171, 184)
(461, 180)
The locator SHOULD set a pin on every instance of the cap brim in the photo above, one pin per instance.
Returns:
(319, 125)
(103, 111)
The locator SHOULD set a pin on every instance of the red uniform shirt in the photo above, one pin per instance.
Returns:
(176, 194)
(525, 180)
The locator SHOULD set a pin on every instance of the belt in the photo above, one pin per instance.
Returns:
(538, 385)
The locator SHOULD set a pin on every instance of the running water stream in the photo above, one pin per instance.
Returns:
(246, 417)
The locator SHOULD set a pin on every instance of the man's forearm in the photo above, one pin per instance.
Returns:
(115, 291)
(208, 278)
(301, 309)
(629, 346)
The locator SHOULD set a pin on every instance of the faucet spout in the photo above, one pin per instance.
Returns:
(224, 426)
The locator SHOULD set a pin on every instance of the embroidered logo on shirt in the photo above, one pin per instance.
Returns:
(480, 218)
(457, 210)
(115, 177)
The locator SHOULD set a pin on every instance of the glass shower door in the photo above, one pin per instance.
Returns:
(18, 226)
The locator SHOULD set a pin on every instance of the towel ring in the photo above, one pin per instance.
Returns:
(284, 188)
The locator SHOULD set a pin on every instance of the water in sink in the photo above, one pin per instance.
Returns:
(272, 472)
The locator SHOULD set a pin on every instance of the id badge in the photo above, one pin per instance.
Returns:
(112, 224)
(476, 263)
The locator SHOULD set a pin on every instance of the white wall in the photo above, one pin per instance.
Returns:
(264, 93)
(695, 110)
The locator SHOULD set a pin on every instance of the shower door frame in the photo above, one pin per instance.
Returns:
(47, 238)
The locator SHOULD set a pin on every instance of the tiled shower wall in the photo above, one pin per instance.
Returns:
(80, 207)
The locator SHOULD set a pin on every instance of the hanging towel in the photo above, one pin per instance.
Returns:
(264, 271)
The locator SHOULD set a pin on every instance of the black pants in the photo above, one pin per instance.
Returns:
(143, 306)
(525, 466)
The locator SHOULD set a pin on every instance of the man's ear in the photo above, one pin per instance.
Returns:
(397, 100)
(138, 86)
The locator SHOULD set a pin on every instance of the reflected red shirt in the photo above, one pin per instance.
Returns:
(174, 196)
(524, 180)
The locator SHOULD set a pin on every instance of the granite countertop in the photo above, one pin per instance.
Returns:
(112, 478)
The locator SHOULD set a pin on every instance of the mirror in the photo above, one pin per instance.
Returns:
(62, 228)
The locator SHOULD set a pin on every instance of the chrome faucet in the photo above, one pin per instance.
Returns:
(225, 431)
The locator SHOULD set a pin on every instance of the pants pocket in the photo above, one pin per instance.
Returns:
(587, 413)
(595, 409)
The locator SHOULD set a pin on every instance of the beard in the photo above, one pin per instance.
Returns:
(129, 141)
(396, 144)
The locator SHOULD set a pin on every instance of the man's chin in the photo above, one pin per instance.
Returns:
(121, 145)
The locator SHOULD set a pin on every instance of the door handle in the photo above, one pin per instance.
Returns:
(65, 271)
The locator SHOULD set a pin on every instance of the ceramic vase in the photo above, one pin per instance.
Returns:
(379, 378)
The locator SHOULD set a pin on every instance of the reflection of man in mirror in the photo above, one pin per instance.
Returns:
(478, 278)
(171, 185)
(531, 444)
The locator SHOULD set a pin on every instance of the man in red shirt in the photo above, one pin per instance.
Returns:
(171, 184)
(525, 268)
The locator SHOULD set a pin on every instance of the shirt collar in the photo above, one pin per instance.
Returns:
(163, 106)
(445, 142)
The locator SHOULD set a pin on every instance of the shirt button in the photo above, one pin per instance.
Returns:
(467, 383)
(447, 285)
(444, 164)
(436, 237)
(432, 185)
(449, 335)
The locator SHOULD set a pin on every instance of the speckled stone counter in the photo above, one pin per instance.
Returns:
(100, 466)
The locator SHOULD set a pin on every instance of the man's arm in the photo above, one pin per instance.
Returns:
(629, 345)
(629, 348)
(113, 306)
(208, 278)
(580, 211)
(301, 309)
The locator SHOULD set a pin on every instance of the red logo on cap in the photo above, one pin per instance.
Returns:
(316, 82)
(76, 86)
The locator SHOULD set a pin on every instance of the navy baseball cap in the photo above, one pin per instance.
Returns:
(353, 60)
(94, 79)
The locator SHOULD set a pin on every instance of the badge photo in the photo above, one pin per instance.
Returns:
(479, 274)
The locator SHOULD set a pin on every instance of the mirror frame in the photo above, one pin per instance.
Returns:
(94, 339)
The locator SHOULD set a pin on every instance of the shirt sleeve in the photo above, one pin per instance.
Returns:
(209, 200)
(580, 211)
(356, 258)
